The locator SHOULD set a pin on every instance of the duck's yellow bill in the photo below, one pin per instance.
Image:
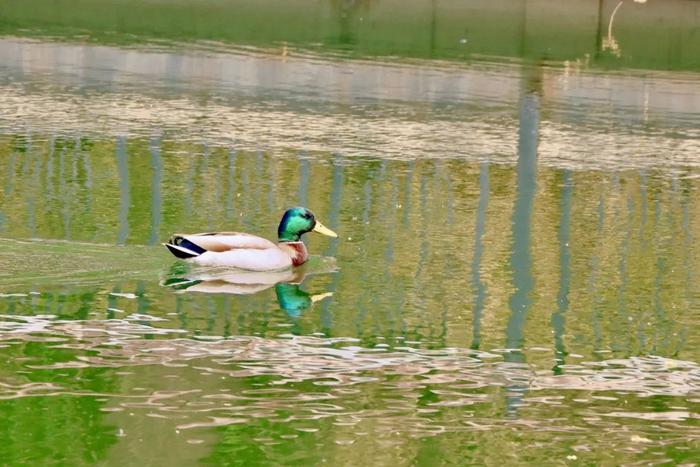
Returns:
(322, 229)
(321, 296)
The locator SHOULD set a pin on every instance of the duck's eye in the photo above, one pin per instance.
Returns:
(306, 215)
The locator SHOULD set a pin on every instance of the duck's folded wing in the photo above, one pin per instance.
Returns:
(250, 259)
(225, 241)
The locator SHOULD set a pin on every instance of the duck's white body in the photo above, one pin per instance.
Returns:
(237, 250)
(252, 260)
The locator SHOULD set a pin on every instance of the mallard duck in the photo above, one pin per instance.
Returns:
(250, 252)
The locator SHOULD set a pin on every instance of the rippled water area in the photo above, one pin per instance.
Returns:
(516, 191)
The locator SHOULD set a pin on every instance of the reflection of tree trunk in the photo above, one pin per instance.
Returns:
(189, 187)
(231, 184)
(662, 331)
(32, 200)
(87, 167)
(559, 316)
(333, 215)
(304, 175)
(477, 283)
(336, 200)
(143, 304)
(86, 305)
(690, 280)
(595, 272)
(624, 279)
(124, 201)
(644, 206)
(521, 260)
(156, 198)
(406, 204)
(112, 302)
(63, 190)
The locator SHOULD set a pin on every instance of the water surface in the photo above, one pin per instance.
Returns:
(515, 281)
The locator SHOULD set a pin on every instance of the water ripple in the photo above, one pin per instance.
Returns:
(300, 379)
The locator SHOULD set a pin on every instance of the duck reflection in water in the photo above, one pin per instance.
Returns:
(287, 283)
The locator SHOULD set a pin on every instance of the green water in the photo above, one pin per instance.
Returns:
(651, 35)
(516, 275)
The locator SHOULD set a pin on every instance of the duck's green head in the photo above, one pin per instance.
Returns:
(298, 221)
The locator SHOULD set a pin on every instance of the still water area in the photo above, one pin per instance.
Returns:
(516, 278)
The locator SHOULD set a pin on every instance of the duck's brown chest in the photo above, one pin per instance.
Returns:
(297, 251)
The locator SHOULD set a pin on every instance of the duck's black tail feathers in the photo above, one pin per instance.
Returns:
(183, 248)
